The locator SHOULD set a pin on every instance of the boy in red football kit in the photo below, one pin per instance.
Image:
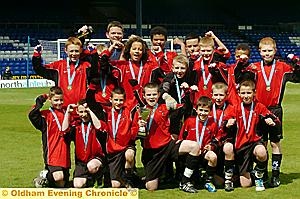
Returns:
(88, 152)
(204, 130)
(209, 54)
(158, 145)
(70, 74)
(271, 77)
(102, 76)
(122, 130)
(157, 53)
(226, 163)
(234, 73)
(248, 144)
(176, 84)
(56, 145)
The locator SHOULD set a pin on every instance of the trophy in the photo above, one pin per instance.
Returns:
(144, 115)
(86, 33)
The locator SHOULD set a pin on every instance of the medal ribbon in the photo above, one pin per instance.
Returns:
(219, 122)
(103, 83)
(115, 125)
(267, 81)
(205, 80)
(151, 117)
(247, 124)
(132, 71)
(56, 118)
(179, 91)
(85, 135)
(200, 140)
(71, 78)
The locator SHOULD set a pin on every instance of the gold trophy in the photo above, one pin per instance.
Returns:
(144, 115)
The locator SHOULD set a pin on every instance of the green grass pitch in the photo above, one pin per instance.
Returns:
(21, 151)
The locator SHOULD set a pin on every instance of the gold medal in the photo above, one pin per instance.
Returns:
(69, 87)
(103, 94)
(204, 87)
(268, 88)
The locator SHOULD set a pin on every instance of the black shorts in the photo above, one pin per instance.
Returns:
(272, 133)
(245, 159)
(154, 160)
(81, 170)
(52, 169)
(116, 163)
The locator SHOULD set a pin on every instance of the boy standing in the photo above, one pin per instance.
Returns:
(209, 54)
(271, 77)
(56, 145)
(70, 74)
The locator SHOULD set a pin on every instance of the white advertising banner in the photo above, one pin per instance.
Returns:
(22, 83)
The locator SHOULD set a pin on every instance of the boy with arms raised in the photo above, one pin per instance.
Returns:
(209, 54)
(56, 145)
(71, 74)
(89, 157)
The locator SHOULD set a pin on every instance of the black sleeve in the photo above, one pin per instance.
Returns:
(35, 116)
(94, 72)
(217, 75)
(295, 76)
(230, 132)
(40, 70)
(217, 57)
(95, 106)
(241, 74)
(156, 75)
(166, 83)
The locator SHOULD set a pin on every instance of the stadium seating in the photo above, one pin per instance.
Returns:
(16, 44)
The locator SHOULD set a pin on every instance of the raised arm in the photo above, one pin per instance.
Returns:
(95, 120)
(35, 115)
(66, 121)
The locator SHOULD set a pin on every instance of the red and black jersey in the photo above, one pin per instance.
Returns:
(57, 71)
(203, 134)
(218, 112)
(150, 73)
(56, 145)
(158, 130)
(283, 72)
(163, 59)
(225, 73)
(103, 76)
(203, 75)
(126, 129)
(203, 90)
(247, 134)
(85, 137)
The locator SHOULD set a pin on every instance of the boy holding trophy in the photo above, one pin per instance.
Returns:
(159, 147)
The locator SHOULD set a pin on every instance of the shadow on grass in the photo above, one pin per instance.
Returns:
(285, 178)
(163, 184)
(288, 178)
